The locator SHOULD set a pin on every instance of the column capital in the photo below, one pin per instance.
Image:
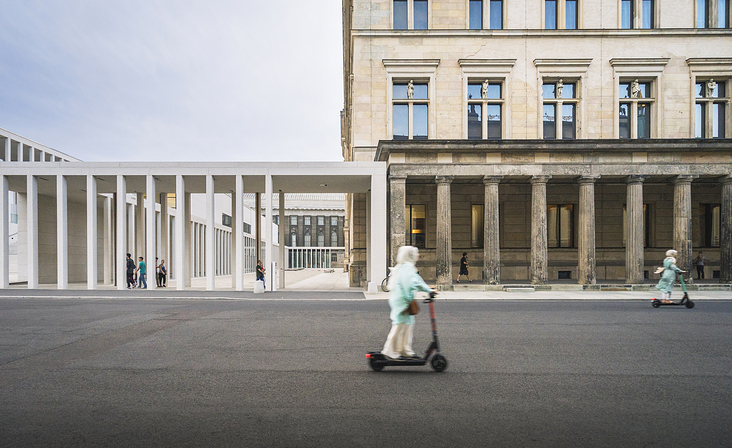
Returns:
(492, 179)
(636, 179)
(444, 179)
(726, 180)
(685, 178)
(397, 178)
(588, 179)
(540, 179)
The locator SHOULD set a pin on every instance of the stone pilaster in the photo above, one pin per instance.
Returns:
(491, 233)
(682, 223)
(443, 249)
(634, 231)
(539, 259)
(587, 267)
(397, 218)
(725, 232)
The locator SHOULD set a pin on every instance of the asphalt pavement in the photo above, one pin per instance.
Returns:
(261, 371)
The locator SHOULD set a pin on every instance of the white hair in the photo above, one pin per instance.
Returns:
(671, 253)
(405, 255)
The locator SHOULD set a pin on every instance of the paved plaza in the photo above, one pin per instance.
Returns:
(288, 369)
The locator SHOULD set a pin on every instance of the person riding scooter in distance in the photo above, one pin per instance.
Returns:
(404, 280)
(668, 276)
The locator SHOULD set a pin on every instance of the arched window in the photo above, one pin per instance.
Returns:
(333, 238)
(321, 239)
(293, 239)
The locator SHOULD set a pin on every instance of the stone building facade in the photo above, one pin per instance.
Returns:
(550, 140)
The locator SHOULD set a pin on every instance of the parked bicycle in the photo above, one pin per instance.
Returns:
(385, 282)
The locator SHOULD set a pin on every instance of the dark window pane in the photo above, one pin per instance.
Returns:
(566, 220)
(400, 122)
(493, 115)
(550, 14)
(549, 114)
(493, 92)
(720, 90)
(699, 128)
(700, 90)
(548, 91)
(624, 120)
(701, 14)
(571, 12)
(400, 15)
(718, 120)
(645, 89)
(475, 124)
(496, 14)
(647, 14)
(568, 91)
(644, 120)
(476, 15)
(723, 13)
(626, 14)
(420, 14)
(474, 91)
(419, 124)
(420, 92)
(624, 90)
(400, 92)
(568, 121)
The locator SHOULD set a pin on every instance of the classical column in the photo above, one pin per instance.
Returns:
(62, 233)
(188, 266)
(258, 226)
(151, 236)
(587, 267)
(238, 227)
(725, 232)
(210, 244)
(682, 223)
(281, 231)
(181, 266)
(539, 259)
(108, 241)
(397, 218)
(32, 222)
(377, 229)
(91, 232)
(4, 232)
(164, 230)
(121, 221)
(139, 228)
(268, 254)
(491, 231)
(634, 231)
(443, 249)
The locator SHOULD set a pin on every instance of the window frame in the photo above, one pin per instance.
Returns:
(570, 223)
(708, 105)
(558, 103)
(410, 16)
(645, 70)
(486, 15)
(411, 103)
(561, 15)
(409, 226)
(711, 14)
(484, 103)
(403, 70)
(634, 102)
(494, 70)
(570, 71)
(637, 15)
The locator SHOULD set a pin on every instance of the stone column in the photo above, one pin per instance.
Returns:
(91, 232)
(139, 242)
(634, 231)
(539, 265)
(188, 267)
(32, 226)
(377, 229)
(682, 223)
(164, 230)
(491, 232)
(443, 250)
(121, 222)
(397, 218)
(151, 234)
(281, 237)
(210, 236)
(182, 262)
(62, 233)
(587, 268)
(238, 239)
(725, 232)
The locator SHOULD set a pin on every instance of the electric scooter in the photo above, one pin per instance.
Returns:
(377, 361)
(685, 301)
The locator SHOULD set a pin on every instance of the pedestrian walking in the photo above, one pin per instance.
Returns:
(464, 267)
(699, 262)
(403, 282)
(260, 271)
(157, 272)
(162, 275)
(668, 275)
(130, 272)
(142, 270)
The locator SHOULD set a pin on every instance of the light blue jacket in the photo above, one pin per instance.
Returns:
(666, 284)
(407, 281)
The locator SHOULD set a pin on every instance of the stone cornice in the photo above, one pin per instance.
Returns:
(410, 62)
(539, 33)
(634, 62)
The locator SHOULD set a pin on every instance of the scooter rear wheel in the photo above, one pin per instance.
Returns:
(438, 363)
(656, 304)
(375, 365)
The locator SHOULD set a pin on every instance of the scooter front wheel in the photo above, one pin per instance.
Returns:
(690, 304)
(438, 363)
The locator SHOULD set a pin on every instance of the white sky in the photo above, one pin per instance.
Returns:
(178, 80)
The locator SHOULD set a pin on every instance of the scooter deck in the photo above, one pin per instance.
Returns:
(383, 360)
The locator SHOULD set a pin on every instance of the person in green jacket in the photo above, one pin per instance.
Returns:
(668, 276)
(404, 280)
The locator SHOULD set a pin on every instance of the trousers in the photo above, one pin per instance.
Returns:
(399, 341)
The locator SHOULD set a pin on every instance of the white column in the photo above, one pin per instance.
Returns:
(268, 258)
(377, 248)
(108, 242)
(181, 236)
(238, 239)
(91, 232)
(32, 222)
(188, 241)
(4, 231)
(163, 253)
(139, 241)
(62, 233)
(121, 221)
(6, 151)
(210, 234)
(151, 234)
(257, 227)
(281, 264)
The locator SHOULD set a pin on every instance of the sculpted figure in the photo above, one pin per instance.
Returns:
(484, 90)
(635, 89)
(410, 89)
(559, 88)
(711, 85)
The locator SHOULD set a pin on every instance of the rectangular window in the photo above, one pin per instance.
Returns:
(293, 220)
(401, 19)
(626, 14)
(634, 108)
(225, 220)
(710, 222)
(559, 97)
(550, 14)
(476, 228)
(568, 121)
(647, 14)
(306, 220)
(400, 121)
(571, 14)
(247, 227)
(560, 220)
(710, 107)
(550, 131)
(333, 221)
(321, 220)
(624, 120)
(485, 105)
(702, 13)
(419, 122)
(476, 14)
(416, 225)
(723, 13)
(496, 14)
(410, 111)
(420, 14)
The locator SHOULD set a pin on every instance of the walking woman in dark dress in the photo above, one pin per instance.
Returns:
(464, 267)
